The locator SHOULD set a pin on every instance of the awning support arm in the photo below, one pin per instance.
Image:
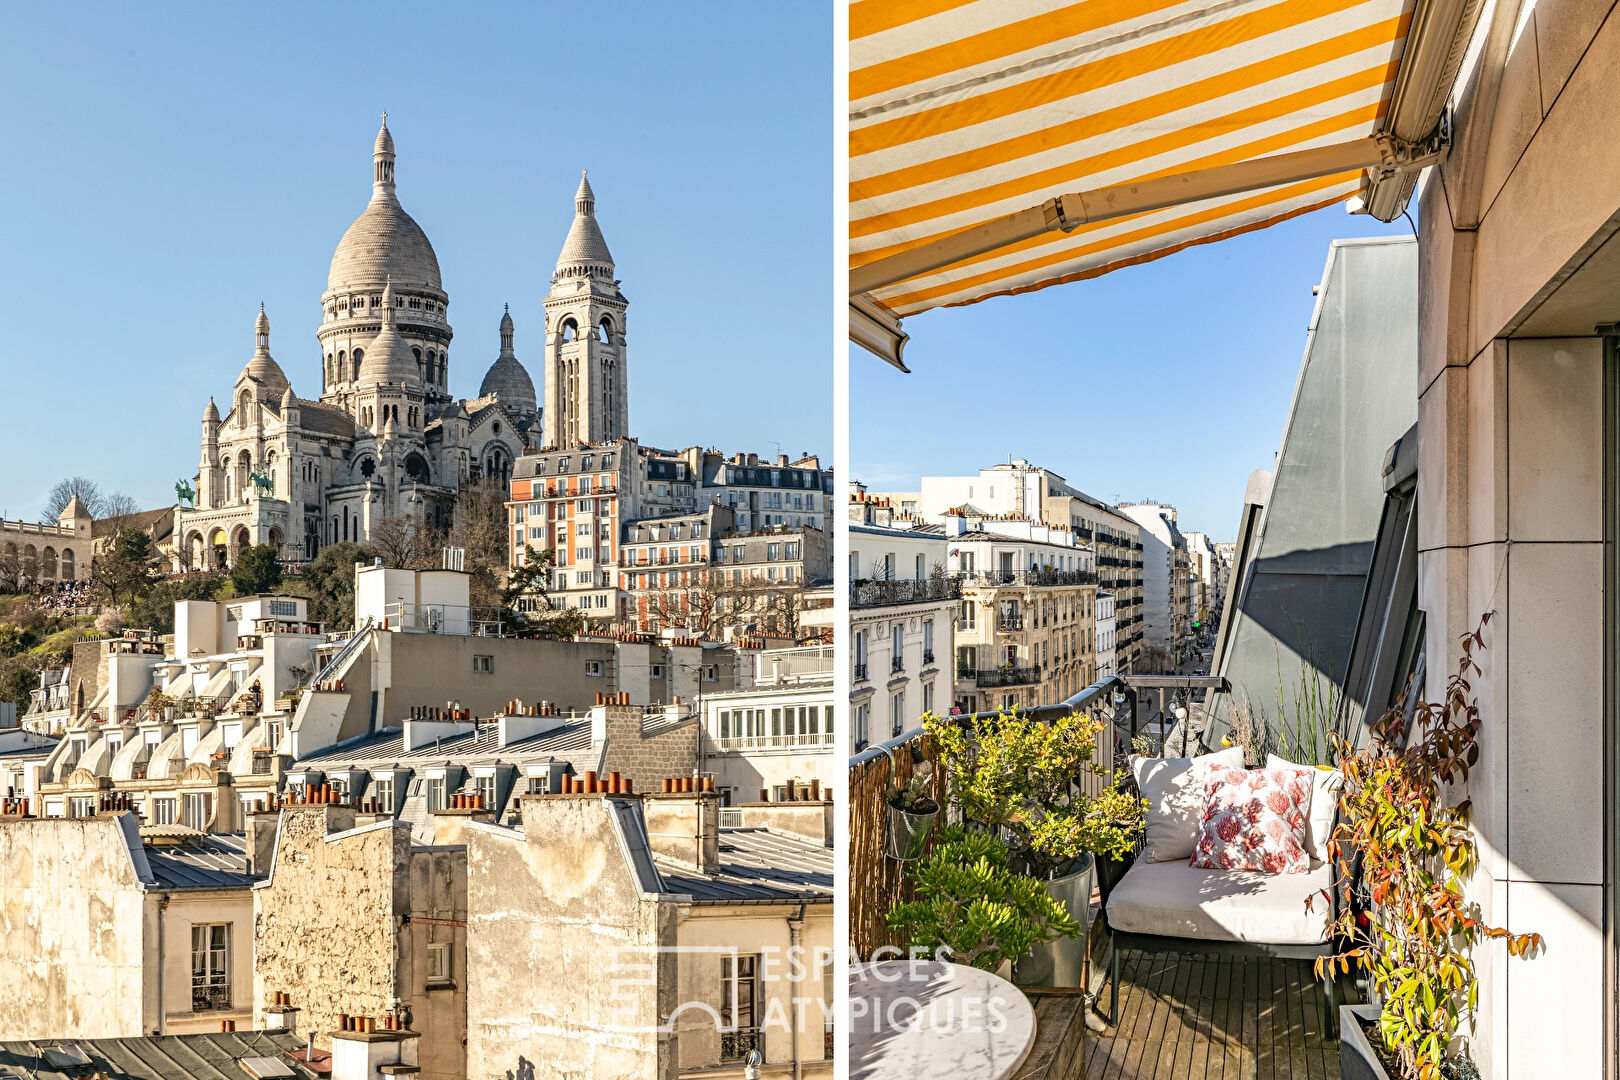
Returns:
(1381, 154)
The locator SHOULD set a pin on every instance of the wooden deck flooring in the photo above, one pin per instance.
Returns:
(1202, 1018)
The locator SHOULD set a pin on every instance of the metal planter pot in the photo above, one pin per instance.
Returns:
(1062, 962)
(1357, 1061)
(908, 833)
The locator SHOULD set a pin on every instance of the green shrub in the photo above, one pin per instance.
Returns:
(969, 907)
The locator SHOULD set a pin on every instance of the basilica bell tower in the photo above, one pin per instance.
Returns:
(587, 399)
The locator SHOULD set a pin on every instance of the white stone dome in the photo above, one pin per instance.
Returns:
(384, 242)
(507, 378)
(389, 358)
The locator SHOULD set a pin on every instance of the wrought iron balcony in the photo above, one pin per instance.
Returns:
(897, 664)
(871, 594)
(1038, 577)
(735, 1045)
(208, 998)
(1007, 676)
(860, 673)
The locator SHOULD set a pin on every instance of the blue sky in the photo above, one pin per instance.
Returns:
(1167, 381)
(167, 167)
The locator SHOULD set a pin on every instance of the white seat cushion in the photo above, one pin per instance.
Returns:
(1172, 899)
(1174, 790)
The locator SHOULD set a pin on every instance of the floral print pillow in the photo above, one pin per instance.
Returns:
(1254, 820)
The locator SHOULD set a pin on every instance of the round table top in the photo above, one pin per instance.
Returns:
(927, 1020)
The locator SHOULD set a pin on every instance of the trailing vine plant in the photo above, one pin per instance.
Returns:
(1416, 850)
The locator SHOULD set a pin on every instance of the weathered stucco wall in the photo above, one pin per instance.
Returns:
(75, 928)
(564, 955)
(438, 881)
(793, 983)
(325, 924)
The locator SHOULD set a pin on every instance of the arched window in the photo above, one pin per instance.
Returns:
(67, 564)
(244, 465)
(243, 403)
(604, 331)
(434, 373)
(416, 468)
(359, 355)
(28, 570)
(338, 372)
(47, 564)
(570, 329)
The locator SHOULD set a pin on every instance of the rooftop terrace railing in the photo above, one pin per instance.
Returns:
(870, 594)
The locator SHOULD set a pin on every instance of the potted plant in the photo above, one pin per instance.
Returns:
(912, 810)
(1020, 780)
(970, 907)
(1415, 848)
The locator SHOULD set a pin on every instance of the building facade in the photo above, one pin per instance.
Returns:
(1026, 626)
(38, 554)
(1166, 581)
(902, 620)
(384, 437)
(1107, 640)
(772, 740)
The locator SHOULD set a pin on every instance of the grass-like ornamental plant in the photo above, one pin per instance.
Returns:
(968, 906)
(1020, 775)
(1416, 850)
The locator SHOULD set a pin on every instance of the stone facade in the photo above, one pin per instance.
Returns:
(344, 924)
(34, 553)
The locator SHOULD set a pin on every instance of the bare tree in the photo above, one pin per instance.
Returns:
(400, 541)
(88, 491)
(118, 508)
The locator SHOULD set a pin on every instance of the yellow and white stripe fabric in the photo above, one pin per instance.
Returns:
(962, 111)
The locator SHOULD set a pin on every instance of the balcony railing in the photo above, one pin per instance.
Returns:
(1035, 578)
(897, 664)
(870, 594)
(860, 672)
(735, 1045)
(206, 998)
(1010, 623)
(794, 741)
(1006, 676)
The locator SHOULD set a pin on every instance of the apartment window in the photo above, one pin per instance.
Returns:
(210, 967)
(863, 721)
(968, 619)
(790, 551)
(435, 794)
(593, 668)
(82, 806)
(739, 1006)
(711, 673)
(897, 713)
(928, 641)
(438, 963)
(199, 807)
(772, 552)
(483, 665)
(540, 784)
(897, 646)
(383, 791)
(928, 697)
(484, 787)
(163, 811)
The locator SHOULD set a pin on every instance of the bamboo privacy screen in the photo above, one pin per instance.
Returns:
(875, 881)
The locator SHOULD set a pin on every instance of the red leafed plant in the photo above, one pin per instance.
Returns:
(1416, 850)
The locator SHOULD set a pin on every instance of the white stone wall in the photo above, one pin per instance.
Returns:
(1513, 280)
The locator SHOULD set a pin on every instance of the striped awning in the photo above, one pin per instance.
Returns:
(967, 115)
